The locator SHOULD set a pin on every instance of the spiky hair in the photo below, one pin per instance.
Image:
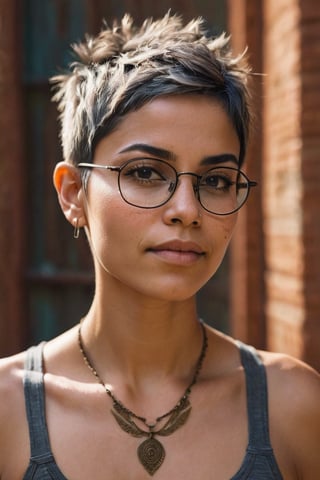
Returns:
(124, 67)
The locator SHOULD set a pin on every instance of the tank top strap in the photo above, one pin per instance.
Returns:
(257, 398)
(35, 403)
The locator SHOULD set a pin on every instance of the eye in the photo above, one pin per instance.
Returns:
(143, 173)
(147, 172)
(216, 181)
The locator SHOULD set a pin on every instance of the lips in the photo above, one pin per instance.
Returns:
(178, 252)
(180, 246)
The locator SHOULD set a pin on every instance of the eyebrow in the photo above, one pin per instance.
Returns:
(151, 150)
(168, 155)
(221, 158)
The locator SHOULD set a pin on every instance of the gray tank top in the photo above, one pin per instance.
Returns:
(259, 462)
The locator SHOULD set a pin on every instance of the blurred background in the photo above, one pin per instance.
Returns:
(267, 291)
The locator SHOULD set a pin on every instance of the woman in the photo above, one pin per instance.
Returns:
(154, 131)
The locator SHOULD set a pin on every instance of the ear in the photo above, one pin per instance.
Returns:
(67, 182)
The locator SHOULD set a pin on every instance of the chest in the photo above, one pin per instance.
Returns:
(87, 441)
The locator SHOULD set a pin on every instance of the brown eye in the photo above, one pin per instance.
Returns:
(216, 181)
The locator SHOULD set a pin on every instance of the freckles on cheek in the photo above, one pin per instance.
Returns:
(228, 228)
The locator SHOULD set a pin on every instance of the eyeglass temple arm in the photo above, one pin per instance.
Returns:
(251, 183)
(104, 167)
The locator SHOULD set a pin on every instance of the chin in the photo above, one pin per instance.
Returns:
(173, 292)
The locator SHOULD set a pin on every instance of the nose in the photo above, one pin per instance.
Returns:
(184, 206)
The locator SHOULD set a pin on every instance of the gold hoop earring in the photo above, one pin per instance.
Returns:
(76, 231)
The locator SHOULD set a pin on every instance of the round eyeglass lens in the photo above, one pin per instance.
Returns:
(147, 183)
(223, 190)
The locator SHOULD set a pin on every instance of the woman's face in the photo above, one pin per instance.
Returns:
(171, 251)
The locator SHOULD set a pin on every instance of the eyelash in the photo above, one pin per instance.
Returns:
(134, 171)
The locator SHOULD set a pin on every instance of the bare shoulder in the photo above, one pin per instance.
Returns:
(289, 378)
(11, 376)
(294, 399)
(12, 410)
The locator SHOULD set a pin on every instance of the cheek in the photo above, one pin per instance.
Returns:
(228, 230)
(113, 224)
(227, 226)
(221, 241)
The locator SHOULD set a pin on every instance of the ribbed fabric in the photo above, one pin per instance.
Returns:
(259, 462)
(42, 465)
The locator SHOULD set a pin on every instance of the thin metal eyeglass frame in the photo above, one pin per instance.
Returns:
(248, 185)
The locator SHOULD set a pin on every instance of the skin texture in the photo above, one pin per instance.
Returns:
(142, 333)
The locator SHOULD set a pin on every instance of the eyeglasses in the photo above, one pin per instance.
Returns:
(150, 183)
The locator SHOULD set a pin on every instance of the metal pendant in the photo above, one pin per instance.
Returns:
(151, 454)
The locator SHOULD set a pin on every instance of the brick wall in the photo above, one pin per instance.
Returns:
(292, 176)
(310, 172)
(282, 173)
(247, 249)
(289, 152)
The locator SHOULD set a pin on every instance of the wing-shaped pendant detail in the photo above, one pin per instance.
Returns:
(177, 419)
(124, 421)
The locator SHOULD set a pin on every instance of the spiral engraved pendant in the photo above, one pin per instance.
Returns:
(151, 454)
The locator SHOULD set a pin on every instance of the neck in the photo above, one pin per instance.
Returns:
(141, 340)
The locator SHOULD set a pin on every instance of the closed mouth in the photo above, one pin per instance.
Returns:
(179, 247)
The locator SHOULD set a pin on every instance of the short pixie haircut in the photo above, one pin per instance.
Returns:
(124, 67)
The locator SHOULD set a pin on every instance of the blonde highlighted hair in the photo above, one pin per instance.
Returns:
(124, 67)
